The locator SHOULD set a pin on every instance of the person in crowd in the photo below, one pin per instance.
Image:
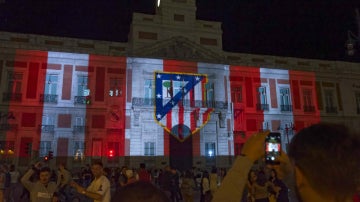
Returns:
(99, 189)
(43, 189)
(140, 191)
(144, 175)
(166, 181)
(2, 183)
(280, 190)
(130, 177)
(251, 179)
(122, 177)
(323, 159)
(205, 188)
(63, 180)
(356, 197)
(261, 187)
(175, 186)
(187, 186)
(156, 173)
(213, 180)
(15, 188)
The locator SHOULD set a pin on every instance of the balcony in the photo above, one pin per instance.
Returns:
(262, 107)
(147, 102)
(309, 109)
(331, 110)
(48, 98)
(82, 100)
(79, 129)
(17, 97)
(114, 131)
(8, 127)
(47, 128)
(286, 108)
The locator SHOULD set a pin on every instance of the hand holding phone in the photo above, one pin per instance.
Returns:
(272, 148)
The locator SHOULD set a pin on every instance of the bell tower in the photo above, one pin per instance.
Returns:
(174, 18)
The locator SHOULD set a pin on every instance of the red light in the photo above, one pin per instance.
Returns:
(111, 153)
(46, 158)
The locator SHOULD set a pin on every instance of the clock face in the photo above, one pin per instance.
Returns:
(114, 113)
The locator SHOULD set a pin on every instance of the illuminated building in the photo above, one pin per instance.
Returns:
(170, 95)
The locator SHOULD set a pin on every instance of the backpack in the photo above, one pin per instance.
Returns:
(7, 179)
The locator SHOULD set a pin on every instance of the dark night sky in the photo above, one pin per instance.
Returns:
(303, 28)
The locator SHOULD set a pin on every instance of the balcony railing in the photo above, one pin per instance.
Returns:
(83, 100)
(47, 128)
(308, 108)
(48, 98)
(79, 129)
(17, 97)
(6, 127)
(146, 102)
(331, 109)
(286, 108)
(262, 107)
(114, 131)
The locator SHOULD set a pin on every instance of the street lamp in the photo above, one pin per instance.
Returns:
(353, 38)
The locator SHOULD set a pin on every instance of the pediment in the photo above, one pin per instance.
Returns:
(179, 48)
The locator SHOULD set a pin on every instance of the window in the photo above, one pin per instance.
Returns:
(82, 84)
(210, 149)
(14, 82)
(51, 84)
(329, 101)
(45, 147)
(262, 95)
(79, 121)
(262, 99)
(357, 99)
(79, 150)
(47, 120)
(210, 98)
(308, 104)
(115, 87)
(285, 99)
(149, 149)
(236, 94)
(149, 91)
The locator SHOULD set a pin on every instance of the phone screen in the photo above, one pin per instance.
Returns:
(272, 148)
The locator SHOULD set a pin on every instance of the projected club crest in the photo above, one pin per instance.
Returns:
(180, 103)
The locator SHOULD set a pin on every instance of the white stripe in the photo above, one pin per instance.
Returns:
(48, 109)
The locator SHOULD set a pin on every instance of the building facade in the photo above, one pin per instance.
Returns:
(170, 95)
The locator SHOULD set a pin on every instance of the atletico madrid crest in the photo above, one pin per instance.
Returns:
(180, 103)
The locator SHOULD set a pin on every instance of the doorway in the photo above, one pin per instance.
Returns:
(181, 153)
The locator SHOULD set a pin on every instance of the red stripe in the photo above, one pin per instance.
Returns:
(97, 84)
(298, 112)
(247, 78)
(35, 87)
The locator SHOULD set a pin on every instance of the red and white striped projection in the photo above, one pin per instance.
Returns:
(85, 105)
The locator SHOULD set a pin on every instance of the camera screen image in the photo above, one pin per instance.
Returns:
(272, 147)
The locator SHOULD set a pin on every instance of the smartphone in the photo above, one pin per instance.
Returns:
(272, 148)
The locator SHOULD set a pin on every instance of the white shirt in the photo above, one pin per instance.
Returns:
(102, 187)
(15, 175)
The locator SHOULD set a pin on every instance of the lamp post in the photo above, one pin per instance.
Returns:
(289, 130)
(353, 39)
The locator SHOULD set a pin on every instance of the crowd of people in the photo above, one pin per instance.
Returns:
(98, 183)
(321, 164)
